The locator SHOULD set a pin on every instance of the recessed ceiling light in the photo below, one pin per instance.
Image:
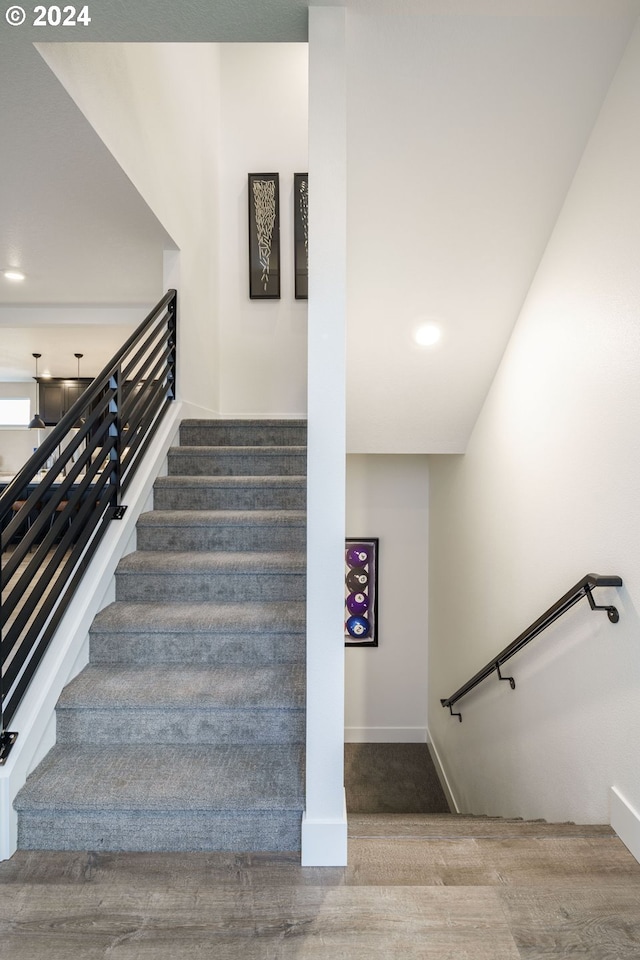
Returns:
(14, 275)
(427, 334)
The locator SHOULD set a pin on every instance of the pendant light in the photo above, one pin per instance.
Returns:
(80, 422)
(37, 423)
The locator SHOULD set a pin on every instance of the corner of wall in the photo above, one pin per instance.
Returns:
(625, 820)
(324, 842)
(442, 775)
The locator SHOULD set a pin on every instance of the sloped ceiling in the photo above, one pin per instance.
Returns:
(70, 218)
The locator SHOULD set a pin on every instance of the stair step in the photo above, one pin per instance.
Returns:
(226, 577)
(186, 731)
(199, 633)
(230, 493)
(243, 433)
(198, 461)
(194, 704)
(164, 798)
(222, 530)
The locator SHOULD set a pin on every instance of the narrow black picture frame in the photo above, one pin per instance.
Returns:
(264, 236)
(361, 561)
(301, 235)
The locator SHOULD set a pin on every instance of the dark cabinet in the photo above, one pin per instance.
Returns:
(57, 396)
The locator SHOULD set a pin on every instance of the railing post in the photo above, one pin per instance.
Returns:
(115, 430)
(172, 319)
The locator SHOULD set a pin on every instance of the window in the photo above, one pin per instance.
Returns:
(15, 411)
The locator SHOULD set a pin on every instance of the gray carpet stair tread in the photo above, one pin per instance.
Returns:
(231, 482)
(144, 563)
(232, 518)
(196, 687)
(270, 617)
(229, 450)
(166, 778)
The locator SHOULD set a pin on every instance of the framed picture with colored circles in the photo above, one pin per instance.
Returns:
(361, 592)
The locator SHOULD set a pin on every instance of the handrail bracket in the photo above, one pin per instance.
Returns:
(612, 612)
(512, 682)
(451, 710)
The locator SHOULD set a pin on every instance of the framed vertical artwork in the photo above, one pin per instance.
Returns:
(361, 592)
(264, 236)
(301, 234)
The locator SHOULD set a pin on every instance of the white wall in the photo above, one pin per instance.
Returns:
(156, 107)
(386, 686)
(547, 492)
(58, 334)
(263, 128)
(17, 443)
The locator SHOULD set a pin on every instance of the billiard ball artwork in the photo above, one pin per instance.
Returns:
(357, 603)
(358, 556)
(357, 579)
(358, 627)
(361, 586)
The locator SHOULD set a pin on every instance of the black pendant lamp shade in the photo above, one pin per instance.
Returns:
(37, 423)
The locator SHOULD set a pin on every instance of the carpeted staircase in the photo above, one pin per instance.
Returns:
(186, 729)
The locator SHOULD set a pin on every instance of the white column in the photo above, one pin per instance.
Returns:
(324, 826)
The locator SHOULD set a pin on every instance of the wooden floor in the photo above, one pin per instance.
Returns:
(412, 890)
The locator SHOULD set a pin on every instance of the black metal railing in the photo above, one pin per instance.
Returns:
(55, 511)
(582, 589)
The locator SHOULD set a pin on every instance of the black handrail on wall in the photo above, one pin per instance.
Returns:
(582, 589)
(55, 511)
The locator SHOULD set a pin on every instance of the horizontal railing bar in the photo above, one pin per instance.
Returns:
(138, 417)
(77, 561)
(560, 607)
(8, 498)
(135, 402)
(46, 509)
(131, 371)
(15, 631)
(10, 602)
(155, 405)
(56, 498)
(133, 399)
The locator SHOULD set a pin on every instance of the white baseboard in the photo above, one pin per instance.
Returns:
(385, 735)
(625, 820)
(324, 842)
(442, 775)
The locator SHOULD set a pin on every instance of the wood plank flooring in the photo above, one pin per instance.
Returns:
(414, 889)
